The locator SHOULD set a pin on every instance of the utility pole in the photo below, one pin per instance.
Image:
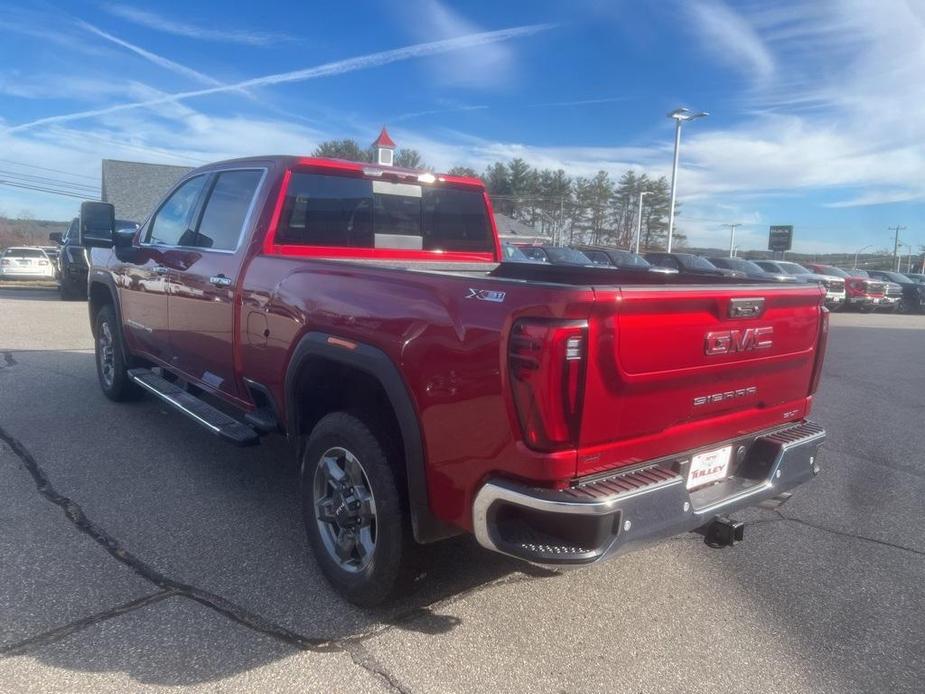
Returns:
(896, 229)
(732, 237)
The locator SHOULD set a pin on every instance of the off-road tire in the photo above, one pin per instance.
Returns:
(391, 567)
(114, 381)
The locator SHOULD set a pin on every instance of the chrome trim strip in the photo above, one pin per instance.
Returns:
(174, 403)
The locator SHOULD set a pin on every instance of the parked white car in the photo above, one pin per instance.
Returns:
(26, 263)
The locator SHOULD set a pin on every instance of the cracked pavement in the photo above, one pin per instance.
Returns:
(139, 554)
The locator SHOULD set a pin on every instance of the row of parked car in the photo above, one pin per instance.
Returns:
(65, 262)
(864, 290)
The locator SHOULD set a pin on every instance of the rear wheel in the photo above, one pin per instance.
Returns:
(111, 366)
(353, 513)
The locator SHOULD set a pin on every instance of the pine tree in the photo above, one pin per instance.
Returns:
(463, 171)
(343, 149)
(409, 159)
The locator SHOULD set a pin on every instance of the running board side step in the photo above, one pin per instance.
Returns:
(201, 412)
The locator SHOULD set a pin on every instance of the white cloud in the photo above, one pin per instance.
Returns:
(158, 60)
(57, 86)
(157, 22)
(338, 67)
(490, 65)
(730, 38)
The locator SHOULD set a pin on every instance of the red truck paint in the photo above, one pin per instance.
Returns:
(644, 367)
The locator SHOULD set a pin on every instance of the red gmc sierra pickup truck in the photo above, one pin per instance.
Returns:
(561, 414)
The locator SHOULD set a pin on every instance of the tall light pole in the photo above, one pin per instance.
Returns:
(858, 251)
(732, 238)
(680, 115)
(642, 194)
(896, 229)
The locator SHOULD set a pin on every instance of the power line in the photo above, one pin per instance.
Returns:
(68, 194)
(45, 168)
(45, 180)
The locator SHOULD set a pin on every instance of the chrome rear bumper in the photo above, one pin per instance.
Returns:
(600, 519)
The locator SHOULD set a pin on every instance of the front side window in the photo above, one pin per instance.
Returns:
(794, 269)
(341, 211)
(226, 209)
(171, 224)
(535, 253)
(598, 257)
(626, 259)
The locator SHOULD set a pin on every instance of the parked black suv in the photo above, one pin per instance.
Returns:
(72, 259)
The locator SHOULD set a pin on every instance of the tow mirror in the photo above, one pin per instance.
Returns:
(55, 237)
(97, 224)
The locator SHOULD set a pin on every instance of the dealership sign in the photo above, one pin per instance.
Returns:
(780, 238)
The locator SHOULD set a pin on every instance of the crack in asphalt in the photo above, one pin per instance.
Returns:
(351, 645)
(79, 519)
(46, 638)
(362, 658)
(844, 533)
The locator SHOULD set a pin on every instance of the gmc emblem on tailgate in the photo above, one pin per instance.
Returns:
(729, 341)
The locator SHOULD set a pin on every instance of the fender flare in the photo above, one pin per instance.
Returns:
(376, 363)
(106, 280)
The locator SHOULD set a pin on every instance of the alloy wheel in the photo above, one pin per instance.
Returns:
(345, 509)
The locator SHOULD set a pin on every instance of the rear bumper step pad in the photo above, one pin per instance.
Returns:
(603, 518)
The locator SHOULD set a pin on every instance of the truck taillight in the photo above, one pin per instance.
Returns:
(821, 343)
(547, 362)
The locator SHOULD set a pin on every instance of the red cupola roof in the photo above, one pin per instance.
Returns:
(384, 140)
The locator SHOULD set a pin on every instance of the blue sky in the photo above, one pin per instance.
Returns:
(816, 106)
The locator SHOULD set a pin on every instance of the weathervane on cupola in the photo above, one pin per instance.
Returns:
(385, 149)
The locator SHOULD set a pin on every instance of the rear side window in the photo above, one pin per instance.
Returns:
(339, 211)
(226, 209)
(171, 224)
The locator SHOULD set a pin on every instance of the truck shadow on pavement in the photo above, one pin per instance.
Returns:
(215, 530)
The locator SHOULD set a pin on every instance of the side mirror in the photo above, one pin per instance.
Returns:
(97, 224)
(55, 237)
(124, 237)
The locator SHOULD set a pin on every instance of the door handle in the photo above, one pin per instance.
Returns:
(161, 269)
(220, 280)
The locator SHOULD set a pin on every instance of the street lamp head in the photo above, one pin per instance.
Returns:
(681, 114)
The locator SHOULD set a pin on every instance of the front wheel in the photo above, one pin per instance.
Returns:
(353, 512)
(111, 366)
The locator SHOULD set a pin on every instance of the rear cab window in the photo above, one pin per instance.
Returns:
(25, 253)
(328, 211)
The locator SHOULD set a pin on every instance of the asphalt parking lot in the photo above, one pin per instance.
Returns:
(137, 553)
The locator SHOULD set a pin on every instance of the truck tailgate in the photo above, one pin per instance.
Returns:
(674, 366)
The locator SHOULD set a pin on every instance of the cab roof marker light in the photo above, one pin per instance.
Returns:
(371, 171)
